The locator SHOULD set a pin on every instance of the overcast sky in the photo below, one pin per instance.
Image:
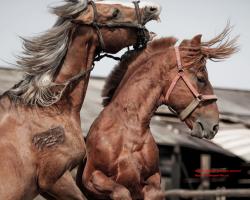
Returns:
(180, 18)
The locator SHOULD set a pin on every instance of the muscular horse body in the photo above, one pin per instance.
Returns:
(122, 156)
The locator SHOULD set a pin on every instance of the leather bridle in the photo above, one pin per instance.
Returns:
(198, 98)
(141, 29)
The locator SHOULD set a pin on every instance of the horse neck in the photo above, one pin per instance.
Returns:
(139, 98)
(79, 58)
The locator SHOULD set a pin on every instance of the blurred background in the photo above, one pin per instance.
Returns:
(183, 159)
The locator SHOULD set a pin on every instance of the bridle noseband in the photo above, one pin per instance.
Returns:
(141, 29)
(198, 97)
(142, 40)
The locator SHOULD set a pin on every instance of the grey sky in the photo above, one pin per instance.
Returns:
(180, 18)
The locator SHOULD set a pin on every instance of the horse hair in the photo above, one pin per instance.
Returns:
(42, 58)
(116, 76)
(223, 49)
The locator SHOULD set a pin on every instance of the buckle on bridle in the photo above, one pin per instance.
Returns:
(181, 71)
(199, 98)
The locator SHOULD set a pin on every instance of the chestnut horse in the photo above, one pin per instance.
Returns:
(40, 133)
(122, 156)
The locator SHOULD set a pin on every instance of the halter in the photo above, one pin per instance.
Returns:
(141, 29)
(198, 97)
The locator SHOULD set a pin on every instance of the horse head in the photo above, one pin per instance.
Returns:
(189, 92)
(118, 24)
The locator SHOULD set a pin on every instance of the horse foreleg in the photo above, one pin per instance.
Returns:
(105, 186)
(64, 188)
(152, 191)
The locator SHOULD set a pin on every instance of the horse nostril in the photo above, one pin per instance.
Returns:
(216, 128)
(152, 9)
(201, 126)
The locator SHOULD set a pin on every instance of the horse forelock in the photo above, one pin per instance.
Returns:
(218, 48)
(221, 46)
(43, 55)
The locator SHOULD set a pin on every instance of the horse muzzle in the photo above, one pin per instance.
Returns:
(151, 13)
(203, 128)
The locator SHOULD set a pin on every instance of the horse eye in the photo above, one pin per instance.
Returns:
(201, 80)
(115, 12)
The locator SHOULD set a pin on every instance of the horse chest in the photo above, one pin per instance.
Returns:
(132, 164)
(133, 145)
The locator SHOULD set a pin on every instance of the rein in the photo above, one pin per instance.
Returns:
(199, 98)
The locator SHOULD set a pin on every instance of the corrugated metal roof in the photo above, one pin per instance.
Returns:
(236, 102)
(236, 141)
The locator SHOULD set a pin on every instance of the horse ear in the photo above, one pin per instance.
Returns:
(196, 41)
(184, 43)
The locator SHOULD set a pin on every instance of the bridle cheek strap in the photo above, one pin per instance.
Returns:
(137, 11)
(198, 97)
(95, 25)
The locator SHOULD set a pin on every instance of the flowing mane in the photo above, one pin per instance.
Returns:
(42, 57)
(136, 57)
(218, 48)
(117, 75)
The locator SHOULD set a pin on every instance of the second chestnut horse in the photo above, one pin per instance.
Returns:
(122, 156)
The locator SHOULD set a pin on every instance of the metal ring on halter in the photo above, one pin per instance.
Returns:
(199, 97)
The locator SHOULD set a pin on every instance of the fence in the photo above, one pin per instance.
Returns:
(185, 194)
